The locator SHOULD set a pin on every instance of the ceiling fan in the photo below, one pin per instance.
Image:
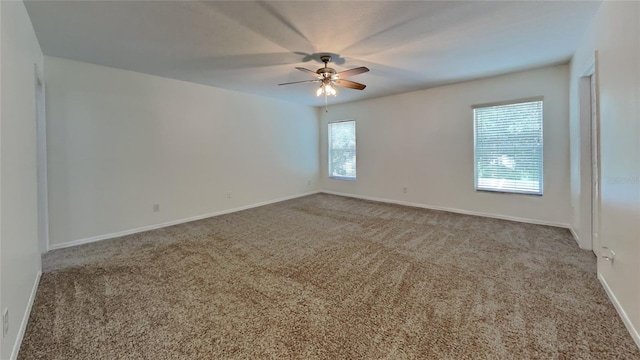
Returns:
(329, 79)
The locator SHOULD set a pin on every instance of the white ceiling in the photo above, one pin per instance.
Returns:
(252, 46)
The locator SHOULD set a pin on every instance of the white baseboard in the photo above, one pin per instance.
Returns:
(453, 210)
(25, 318)
(625, 319)
(575, 236)
(171, 223)
(581, 245)
(364, 197)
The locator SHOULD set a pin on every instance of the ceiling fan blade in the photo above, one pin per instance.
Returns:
(299, 82)
(345, 74)
(310, 72)
(349, 84)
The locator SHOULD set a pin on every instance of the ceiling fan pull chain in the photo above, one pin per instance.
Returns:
(326, 103)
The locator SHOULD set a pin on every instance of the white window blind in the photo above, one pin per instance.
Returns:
(508, 147)
(342, 150)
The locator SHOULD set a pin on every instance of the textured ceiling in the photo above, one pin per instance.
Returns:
(252, 46)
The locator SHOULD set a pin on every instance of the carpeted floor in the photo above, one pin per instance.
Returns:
(327, 277)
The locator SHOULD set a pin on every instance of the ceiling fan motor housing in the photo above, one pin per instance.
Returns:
(326, 72)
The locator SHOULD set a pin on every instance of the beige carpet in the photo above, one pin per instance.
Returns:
(327, 277)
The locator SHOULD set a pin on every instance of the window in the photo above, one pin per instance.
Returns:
(342, 150)
(508, 147)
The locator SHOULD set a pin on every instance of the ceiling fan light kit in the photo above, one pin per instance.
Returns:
(329, 79)
(326, 89)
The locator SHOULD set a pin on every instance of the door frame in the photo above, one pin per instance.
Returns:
(590, 126)
(41, 161)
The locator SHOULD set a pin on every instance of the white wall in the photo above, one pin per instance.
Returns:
(424, 140)
(615, 34)
(120, 141)
(20, 258)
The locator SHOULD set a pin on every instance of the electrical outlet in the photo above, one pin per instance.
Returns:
(156, 207)
(309, 183)
(229, 195)
(404, 189)
(5, 322)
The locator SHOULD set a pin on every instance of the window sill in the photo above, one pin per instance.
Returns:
(342, 178)
(505, 192)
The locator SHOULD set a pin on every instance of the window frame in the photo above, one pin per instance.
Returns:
(355, 154)
(475, 140)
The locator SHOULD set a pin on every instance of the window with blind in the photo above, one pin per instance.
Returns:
(342, 150)
(508, 147)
